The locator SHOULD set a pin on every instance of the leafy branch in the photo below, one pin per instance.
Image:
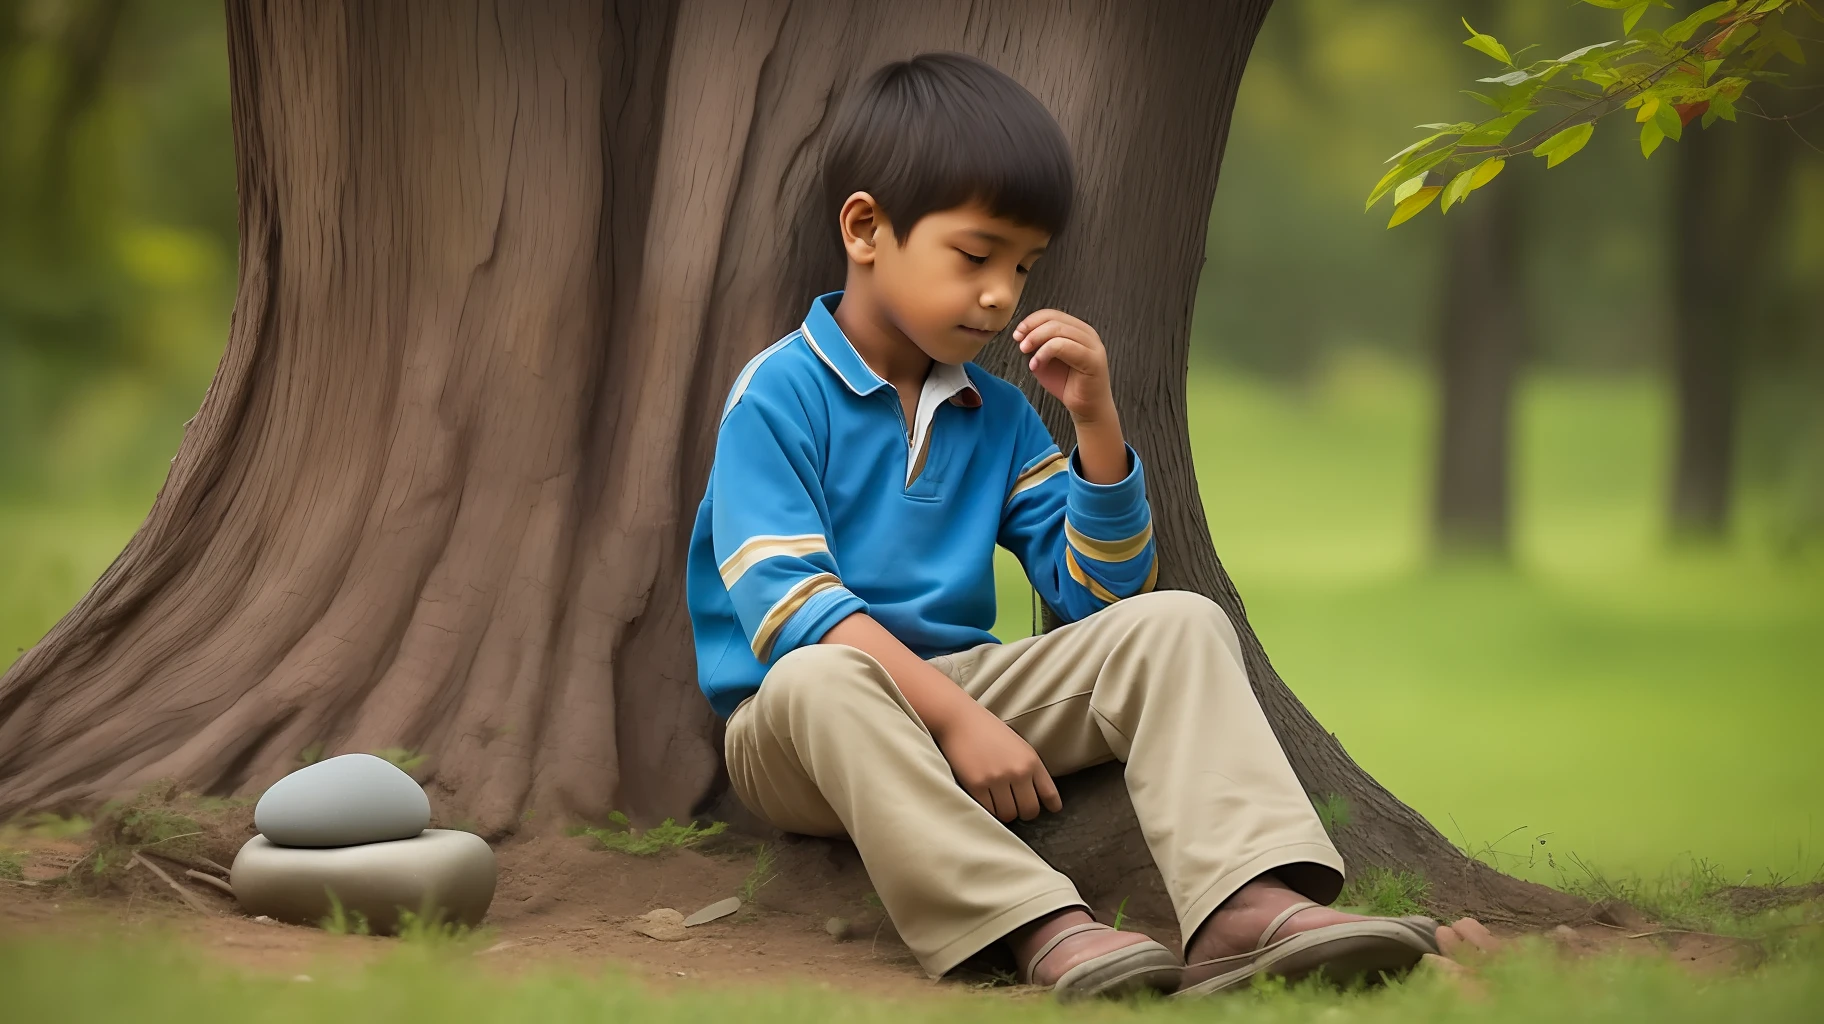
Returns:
(1698, 68)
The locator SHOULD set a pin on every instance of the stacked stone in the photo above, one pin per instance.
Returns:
(350, 830)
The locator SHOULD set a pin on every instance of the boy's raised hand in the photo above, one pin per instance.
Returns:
(1067, 357)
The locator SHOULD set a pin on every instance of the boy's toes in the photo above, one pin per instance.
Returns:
(1466, 936)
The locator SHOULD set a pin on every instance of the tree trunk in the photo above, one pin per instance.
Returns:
(1482, 340)
(498, 268)
(1729, 193)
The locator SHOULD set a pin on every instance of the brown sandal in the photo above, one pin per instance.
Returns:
(1118, 972)
(1346, 953)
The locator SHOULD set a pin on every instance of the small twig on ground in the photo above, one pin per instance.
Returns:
(214, 866)
(17, 881)
(184, 835)
(186, 895)
(211, 879)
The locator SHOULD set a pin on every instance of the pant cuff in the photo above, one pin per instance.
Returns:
(945, 958)
(1205, 903)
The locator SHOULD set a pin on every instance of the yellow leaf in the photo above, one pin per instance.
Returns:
(1413, 204)
(1648, 108)
(1486, 171)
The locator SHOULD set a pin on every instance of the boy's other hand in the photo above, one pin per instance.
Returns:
(996, 767)
(1069, 361)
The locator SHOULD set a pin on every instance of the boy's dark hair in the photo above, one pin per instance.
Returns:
(937, 131)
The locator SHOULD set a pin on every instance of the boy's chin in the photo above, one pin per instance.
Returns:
(952, 352)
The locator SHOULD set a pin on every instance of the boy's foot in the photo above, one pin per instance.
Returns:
(1235, 927)
(1089, 958)
(1268, 928)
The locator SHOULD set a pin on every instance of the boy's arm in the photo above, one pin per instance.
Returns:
(769, 529)
(1081, 526)
(993, 764)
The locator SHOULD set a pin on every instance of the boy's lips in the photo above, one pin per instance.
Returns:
(978, 332)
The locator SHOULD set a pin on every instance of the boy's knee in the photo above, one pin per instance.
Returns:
(1174, 613)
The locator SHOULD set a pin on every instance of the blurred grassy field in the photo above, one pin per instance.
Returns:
(154, 984)
(1611, 697)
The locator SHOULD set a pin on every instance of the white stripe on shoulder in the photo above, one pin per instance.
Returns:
(747, 373)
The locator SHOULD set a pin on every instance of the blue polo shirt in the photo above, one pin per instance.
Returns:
(823, 502)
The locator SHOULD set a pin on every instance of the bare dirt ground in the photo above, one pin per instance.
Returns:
(564, 903)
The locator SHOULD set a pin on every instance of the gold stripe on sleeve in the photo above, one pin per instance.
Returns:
(788, 606)
(759, 549)
(1040, 473)
(1108, 550)
(1100, 592)
(1152, 577)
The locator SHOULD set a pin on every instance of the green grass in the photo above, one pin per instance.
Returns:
(620, 836)
(156, 983)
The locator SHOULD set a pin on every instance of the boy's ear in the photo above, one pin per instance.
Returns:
(864, 227)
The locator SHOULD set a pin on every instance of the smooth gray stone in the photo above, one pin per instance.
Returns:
(442, 873)
(354, 798)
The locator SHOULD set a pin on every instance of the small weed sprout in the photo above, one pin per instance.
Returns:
(622, 837)
(341, 921)
(1332, 811)
(401, 758)
(759, 876)
(1385, 893)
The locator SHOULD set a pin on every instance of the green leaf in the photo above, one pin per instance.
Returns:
(1456, 191)
(1565, 144)
(1742, 32)
(1682, 31)
(1768, 6)
(1583, 51)
(1511, 78)
(1670, 122)
(1413, 205)
(1632, 17)
(1497, 130)
(1485, 43)
(1650, 137)
(1483, 98)
(1408, 187)
(1406, 170)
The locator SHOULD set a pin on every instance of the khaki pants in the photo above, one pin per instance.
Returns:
(830, 747)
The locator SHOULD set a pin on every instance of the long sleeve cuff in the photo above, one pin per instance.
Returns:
(817, 616)
(1111, 513)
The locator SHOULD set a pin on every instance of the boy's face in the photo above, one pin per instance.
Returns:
(955, 281)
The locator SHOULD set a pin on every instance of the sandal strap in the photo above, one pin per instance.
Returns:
(1279, 922)
(1045, 950)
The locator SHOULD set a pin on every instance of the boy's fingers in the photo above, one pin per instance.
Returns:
(1034, 319)
(1005, 808)
(982, 796)
(1048, 791)
(1069, 351)
(1042, 333)
(1028, 799)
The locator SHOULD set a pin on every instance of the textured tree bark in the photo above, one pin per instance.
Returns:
(1483, 334)
(499, 265)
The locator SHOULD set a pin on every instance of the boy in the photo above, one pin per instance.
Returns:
(841, 589)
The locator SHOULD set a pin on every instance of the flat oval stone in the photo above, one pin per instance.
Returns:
(343, 801)
(442, 874)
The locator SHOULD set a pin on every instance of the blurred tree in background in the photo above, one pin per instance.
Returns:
(117, 238)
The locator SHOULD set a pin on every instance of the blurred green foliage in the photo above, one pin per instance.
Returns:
(117, 239)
